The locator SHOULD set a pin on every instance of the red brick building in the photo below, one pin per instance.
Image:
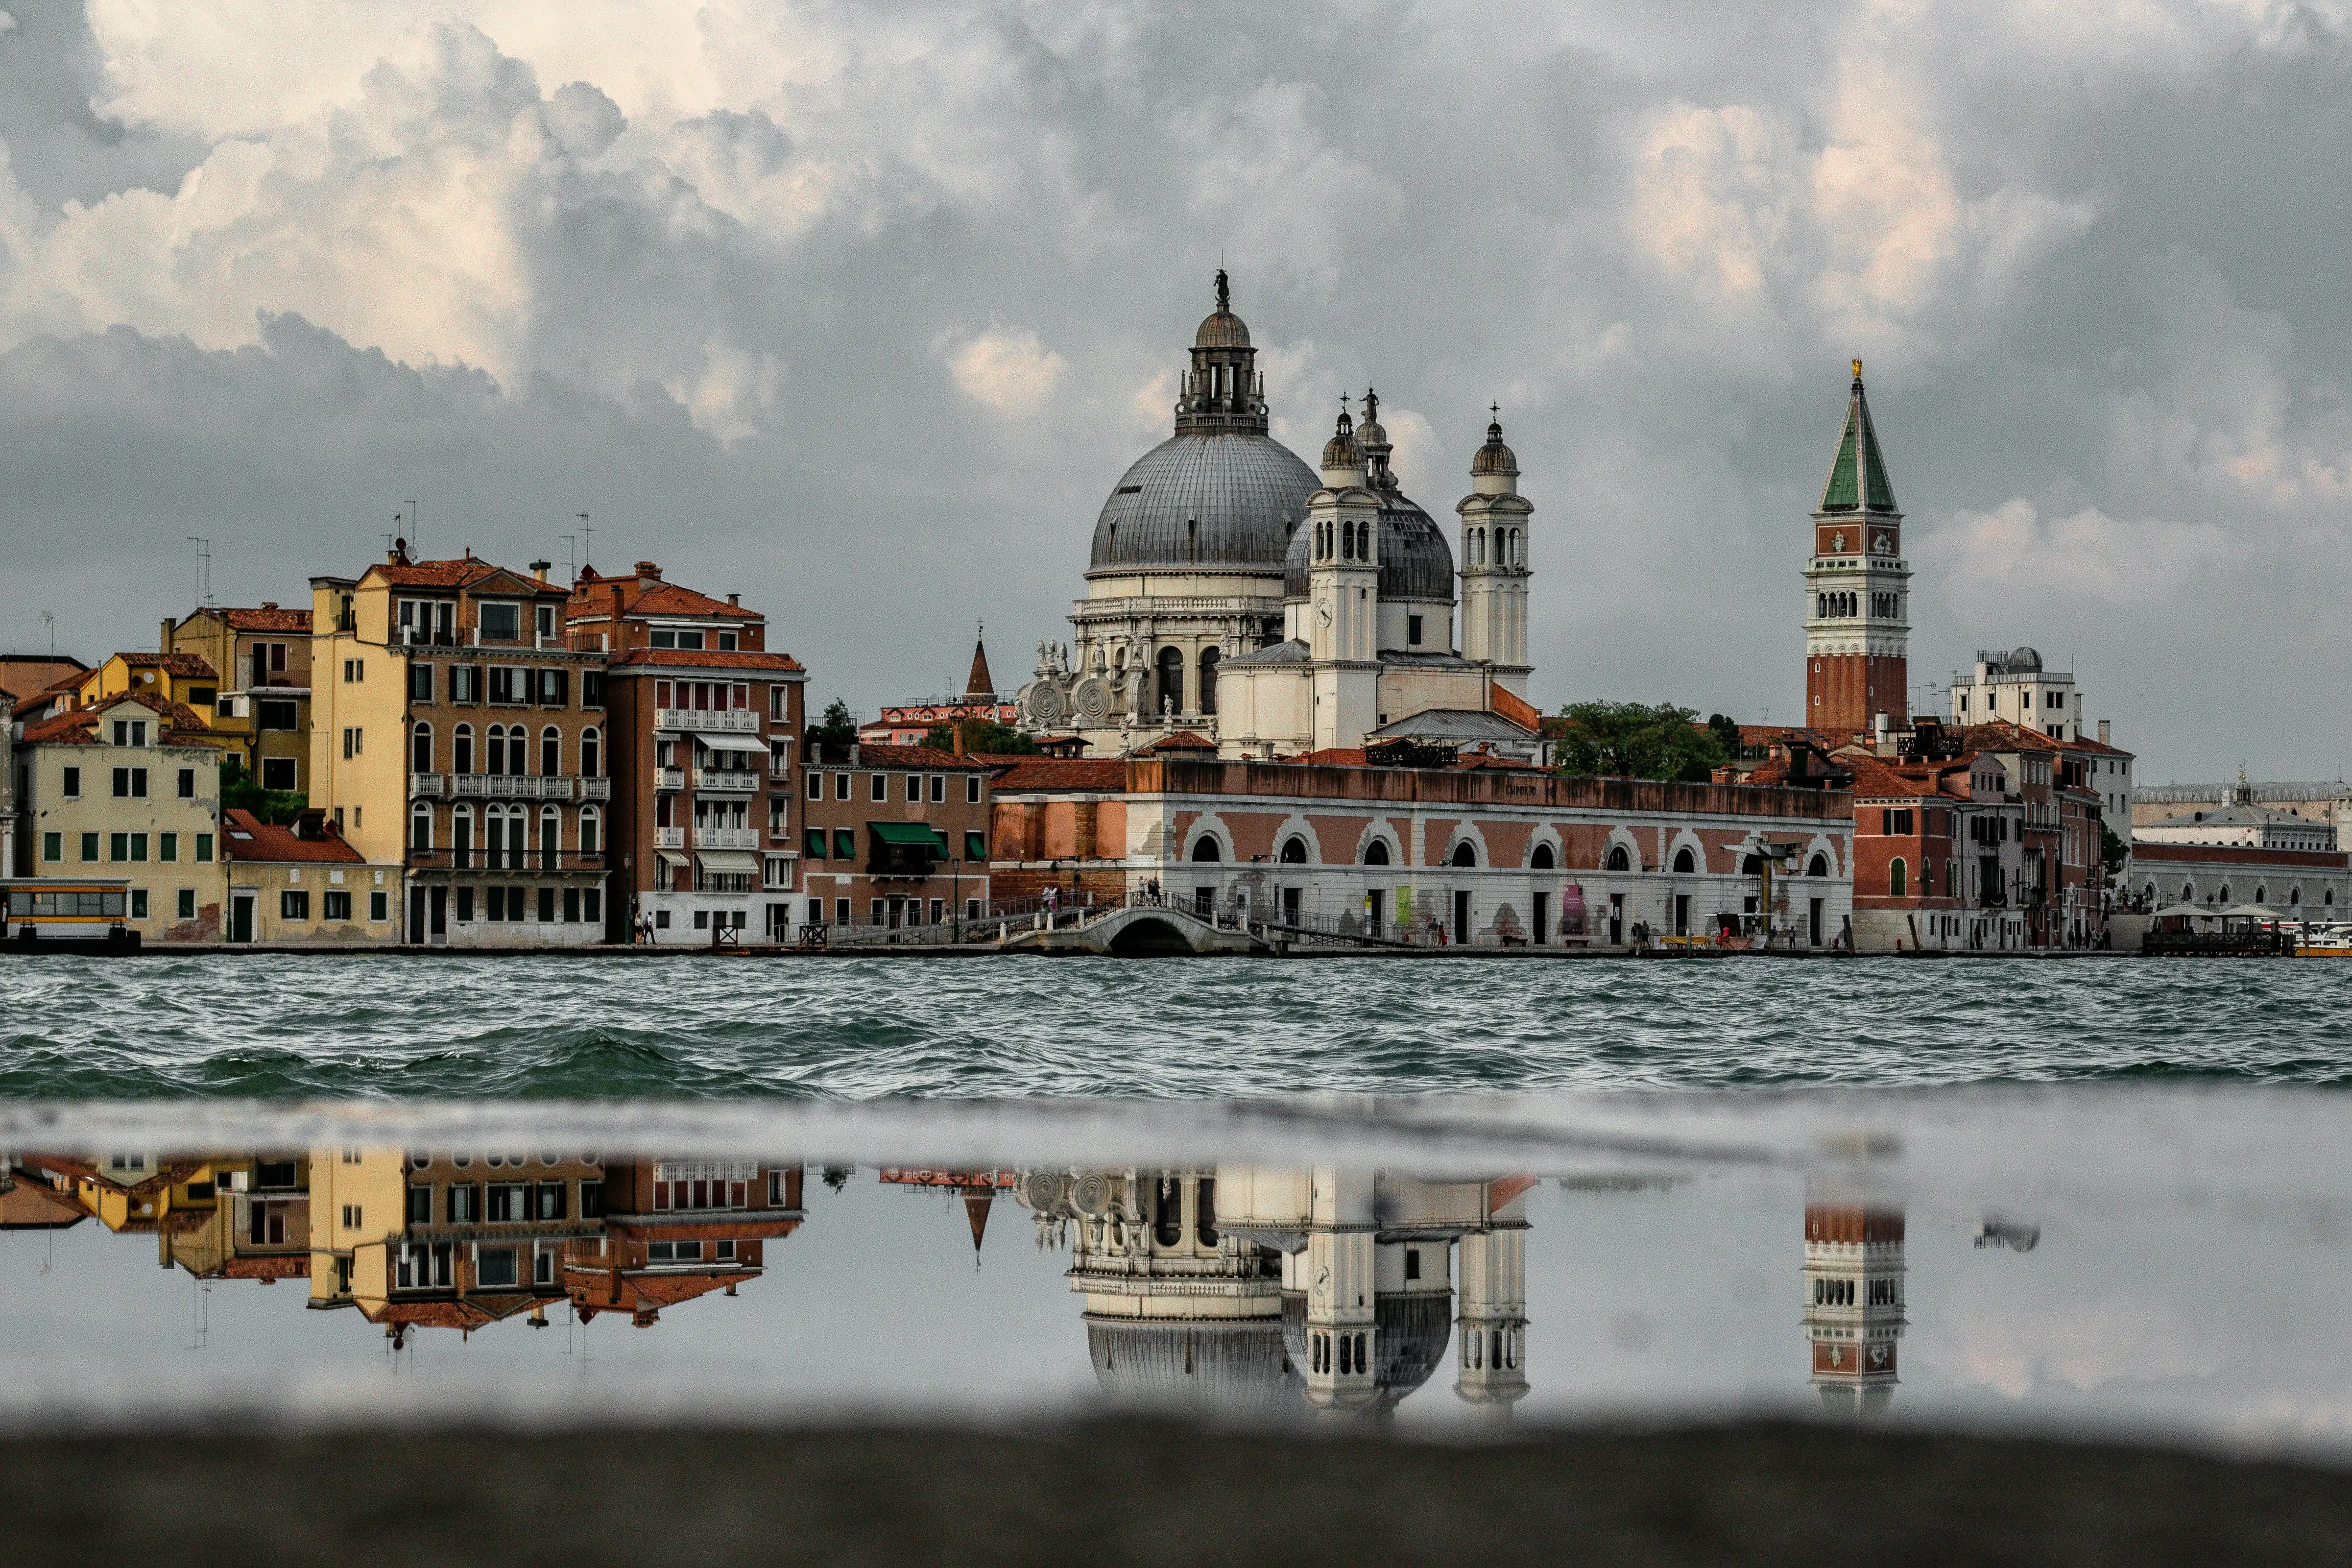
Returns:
(1938, 851)
(705, 724)
(893, 837)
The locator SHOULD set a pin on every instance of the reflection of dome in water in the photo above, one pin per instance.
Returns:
(1411, 1333)
(1224, 1364)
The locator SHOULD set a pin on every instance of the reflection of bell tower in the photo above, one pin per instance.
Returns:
(1857, 626)
(1853, 1302)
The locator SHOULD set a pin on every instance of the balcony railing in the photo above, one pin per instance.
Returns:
(508, 786)
(742, 721)
(737, 780)
(669, 837)
(481, 859)
(726, 838)
(669, 778)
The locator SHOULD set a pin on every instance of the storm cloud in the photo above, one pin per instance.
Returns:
(861, 310)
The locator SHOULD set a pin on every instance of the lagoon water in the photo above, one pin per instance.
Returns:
(860, 1028)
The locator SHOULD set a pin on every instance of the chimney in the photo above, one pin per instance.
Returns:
(648, 570)
(163, 638)
(734, 601)
(539, 569)
(955, 728)
(2103, 733)
(1881, 728)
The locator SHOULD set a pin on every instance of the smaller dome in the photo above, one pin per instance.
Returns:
(2021, 659)
(1341, 451)
(1494, 458)
(1221, 329)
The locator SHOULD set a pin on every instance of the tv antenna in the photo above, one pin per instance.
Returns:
(50, 621)
(204, 569)
(587, 538)
(407, 516)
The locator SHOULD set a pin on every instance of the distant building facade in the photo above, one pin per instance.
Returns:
(261, 702)
(893, 837)
(911, 723)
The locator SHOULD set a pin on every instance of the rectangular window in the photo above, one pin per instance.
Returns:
(816, 786)
(841, 786)
(592, 688)
(277, 772)
(167, 847)
(972, 789)
(500, 622)
(508, 1202)
(187, 784)
(780, 707)
(187, 903)
(494, 1266)
(117, 846)
(592, 902)
(509, 685)
(939, 789)
(420, 683)
(338, 906)
(274, 715)
(546, 618)
(662, 636)
(378, 908)
(138, 846)
(204, 849)
(875, 914)
(845, 843)
(879, 787)
(139, 783)
(547, 904)
(727, 642)
(294, 904)
(498, 905)
(465, 684)
(465, 1206)
(555, 688)
(841, 912)
(72, 785)
(466, 903)
(975, 846)
(90, 846)
(813, 843)
(1413, 629)
(53, 846)
(138, 903)
(122, 784)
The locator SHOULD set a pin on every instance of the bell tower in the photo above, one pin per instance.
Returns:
(1343, 584)
(1495, 563)
(1857, 624)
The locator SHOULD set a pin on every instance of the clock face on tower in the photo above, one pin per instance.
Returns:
(1323, 610)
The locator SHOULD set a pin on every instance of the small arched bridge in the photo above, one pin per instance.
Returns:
(1139, 930)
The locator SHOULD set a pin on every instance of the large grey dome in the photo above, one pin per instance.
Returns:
(1222, 503)
(1416, 561)
(1411, 1333)
(1232, 1364)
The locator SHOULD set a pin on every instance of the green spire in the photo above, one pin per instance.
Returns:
(1858, 474)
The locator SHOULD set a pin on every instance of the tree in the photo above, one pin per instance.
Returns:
(1726, 731)
(1634, 740)
(837, 730)
(240, 793)
(2113, 853)
(982, 735)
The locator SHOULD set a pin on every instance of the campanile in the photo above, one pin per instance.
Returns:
(1857, 626)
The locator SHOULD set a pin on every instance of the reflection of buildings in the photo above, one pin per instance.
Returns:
(1854, 1301)
(977, 1188)
(1255, 1287)
(416, 1239)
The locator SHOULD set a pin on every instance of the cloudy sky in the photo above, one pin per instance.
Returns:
(861, 310)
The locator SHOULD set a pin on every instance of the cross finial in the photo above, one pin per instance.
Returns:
(1497, 410)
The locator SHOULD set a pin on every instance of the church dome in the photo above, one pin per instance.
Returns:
(1341, 451)
(1221, 329)
(1494, 458)
(1417, 562)
(1224, 1364)
(1217, 502)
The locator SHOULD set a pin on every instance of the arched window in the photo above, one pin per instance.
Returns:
(1819, 866)
(2225, 894)
(1294, 851)
(1209, 658)
(420, 748)
(1898, 876)
(2294, 898)
(1685, 861)
(461, 749)
(1751, 864)
(1376, 853)
(1464, 854)
(592, 830)
(550, 838)
(1168, 1210)
(1542, 860)
(461, 836)
(2327, 899)
(551, 751)
(496, 750)
(1206, 848)
(494, 836)
(2262, 895)
(2149, 893)
(1171, 696)
(2187, 892)
(1618, 859)
(1951, 879)
(591, 752)
(420, 827)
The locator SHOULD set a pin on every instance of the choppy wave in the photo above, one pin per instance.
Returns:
(262, 1025)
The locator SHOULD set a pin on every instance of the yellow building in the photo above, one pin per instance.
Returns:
(185, 679)
(128, 787)
(261, 701)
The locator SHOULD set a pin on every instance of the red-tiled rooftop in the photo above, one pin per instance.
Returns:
(882, 756)
(1105, 774)
(1180, 740)
(187, 666)
(269, 618)
(183, 725)
(706, 658)
(246, 838)
(644, 594)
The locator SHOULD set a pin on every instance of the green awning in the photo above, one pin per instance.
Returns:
(909, 835)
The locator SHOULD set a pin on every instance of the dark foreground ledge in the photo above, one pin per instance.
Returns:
(1128, 1496)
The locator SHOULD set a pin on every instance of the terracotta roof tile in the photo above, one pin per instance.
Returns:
(1095, 774)
(187, 666)
(706, 658)
(1180, 740)
(1336, 757)
(184, 727)
(1516, 708)
(592, 599)
(272, 843)
(433, 574)
(269, 618)
(872, 756)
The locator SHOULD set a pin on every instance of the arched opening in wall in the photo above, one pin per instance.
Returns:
(1206, 848)
(420, 827)
(461, 749)
(550, 838)
(1205, 1211)
(1376, 853)
(1168, 1210)
(2148, 892)
(1170, 696)
(1150, 936)
(1464, 854)
(2224, 899)
(591, 752)
(2294, 898)
(550, 752)
(1294, 851)
(2327, 899)
(1897, 878)
(1751, 864)
(1618, 859)
(495, 750)
(1685, 861)
(1819, 866)
(1542, 860)
(592, 830)
(2187, 892)
(1209, 658)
